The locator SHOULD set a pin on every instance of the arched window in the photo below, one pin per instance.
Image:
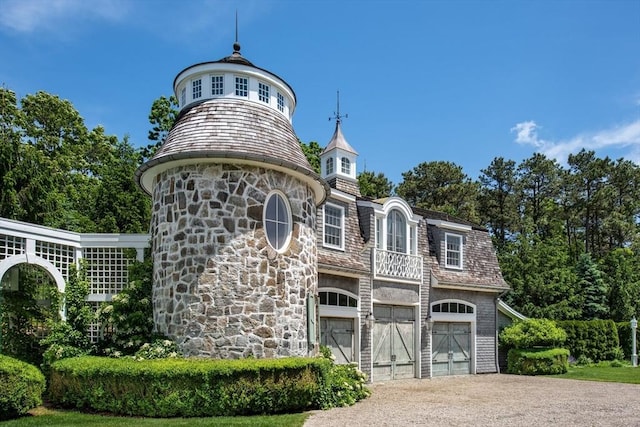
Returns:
(277, 221)
(396, 232)
(329, 166)
(346, 166)
(452, 307)
(337, 299)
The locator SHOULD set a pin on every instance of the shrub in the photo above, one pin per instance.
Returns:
(159, 348)
(189, 387)
(21, 387)
(345, 384)
(538, 362)
(532, 333)
(595, 340)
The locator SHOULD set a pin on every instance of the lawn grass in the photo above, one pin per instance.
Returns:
(54, 418)
(622, 374)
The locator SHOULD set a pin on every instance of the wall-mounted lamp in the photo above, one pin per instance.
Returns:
(429, 322)
(370, 320)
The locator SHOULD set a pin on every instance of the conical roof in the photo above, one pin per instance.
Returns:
(338, 141)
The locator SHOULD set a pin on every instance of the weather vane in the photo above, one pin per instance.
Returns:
(336, 114)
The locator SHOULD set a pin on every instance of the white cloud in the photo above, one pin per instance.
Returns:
(621, 137)
(28, 16)
(527, 133)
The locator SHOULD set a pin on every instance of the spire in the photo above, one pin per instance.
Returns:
(236, 45)
(338, 140)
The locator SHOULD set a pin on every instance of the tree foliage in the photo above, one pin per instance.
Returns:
(376, 186)
(312, 152)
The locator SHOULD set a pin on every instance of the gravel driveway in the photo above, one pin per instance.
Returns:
(490, 400)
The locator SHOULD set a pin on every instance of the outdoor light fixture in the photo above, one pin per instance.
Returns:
(370, 320)
(429, 320)
(634, 355)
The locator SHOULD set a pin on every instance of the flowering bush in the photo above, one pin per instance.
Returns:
(158, 349)
(345, 383)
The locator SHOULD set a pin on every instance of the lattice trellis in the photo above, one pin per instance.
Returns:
(11, 245)
(61, 256)
(107, 269)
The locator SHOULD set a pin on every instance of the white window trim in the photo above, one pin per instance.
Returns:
(211, 77)
(287, 242)
(446, 249)
(342, 224)
(411, 221)
(235, 86)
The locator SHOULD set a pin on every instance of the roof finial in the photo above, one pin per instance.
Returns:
(236, 45)
(336, 115)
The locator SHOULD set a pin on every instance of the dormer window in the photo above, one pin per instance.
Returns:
(396, 232)
(263, 92)
(329, 166)
(346, 166)
(242, 86)
(217, 85)
(453, 250)
(196, 89)
(333, 226)
(280, 102)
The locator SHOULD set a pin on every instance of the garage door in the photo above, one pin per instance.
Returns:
(451, 348)
(337, 334)
(393, 342)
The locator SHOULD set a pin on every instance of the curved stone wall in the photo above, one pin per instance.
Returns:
(220, 290)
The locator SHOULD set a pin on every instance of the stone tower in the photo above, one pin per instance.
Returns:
(234, 217)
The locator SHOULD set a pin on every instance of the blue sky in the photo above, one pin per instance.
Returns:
(460, 81)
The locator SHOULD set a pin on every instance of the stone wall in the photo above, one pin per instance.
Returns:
(220, 290)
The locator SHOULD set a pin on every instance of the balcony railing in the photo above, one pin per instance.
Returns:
(389, 265)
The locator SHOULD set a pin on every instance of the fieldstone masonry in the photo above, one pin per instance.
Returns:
(220, 290)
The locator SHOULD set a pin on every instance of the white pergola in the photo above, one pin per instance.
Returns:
(107, 256)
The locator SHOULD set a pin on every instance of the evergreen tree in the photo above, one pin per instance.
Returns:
(592, 288)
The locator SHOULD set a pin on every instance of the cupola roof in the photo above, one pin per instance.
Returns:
(338, 141)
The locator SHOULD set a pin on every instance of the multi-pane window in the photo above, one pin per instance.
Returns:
(280, 102)
(242, 86)
(452, 307)
(217, 85)
(396, 232)
(333, 225)
(329, 165)
(337, 299)
(263, 92)
(379, 233)
(196, 89)
(183, 97)
(346, 166)
(277, 221)
(453, 256)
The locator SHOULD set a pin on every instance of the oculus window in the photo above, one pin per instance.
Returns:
(277, 221)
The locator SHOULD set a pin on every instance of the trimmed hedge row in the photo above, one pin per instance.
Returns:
(594, 339)
(21, 387)
(190, 387)
(538, 362)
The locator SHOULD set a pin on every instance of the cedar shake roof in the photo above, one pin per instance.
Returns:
(233, 129)
(338, 141)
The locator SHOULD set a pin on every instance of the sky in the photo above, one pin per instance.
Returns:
(420, 80)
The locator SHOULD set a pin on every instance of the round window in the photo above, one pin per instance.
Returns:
(277, 221)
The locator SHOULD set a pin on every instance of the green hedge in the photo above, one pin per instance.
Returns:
(21, 387)
(538, 362)
(596, 340)
(190, 387)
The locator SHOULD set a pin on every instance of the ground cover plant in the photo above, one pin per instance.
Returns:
(615, 371)
(62, 418)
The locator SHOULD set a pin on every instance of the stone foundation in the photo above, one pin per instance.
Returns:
(220, 290)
